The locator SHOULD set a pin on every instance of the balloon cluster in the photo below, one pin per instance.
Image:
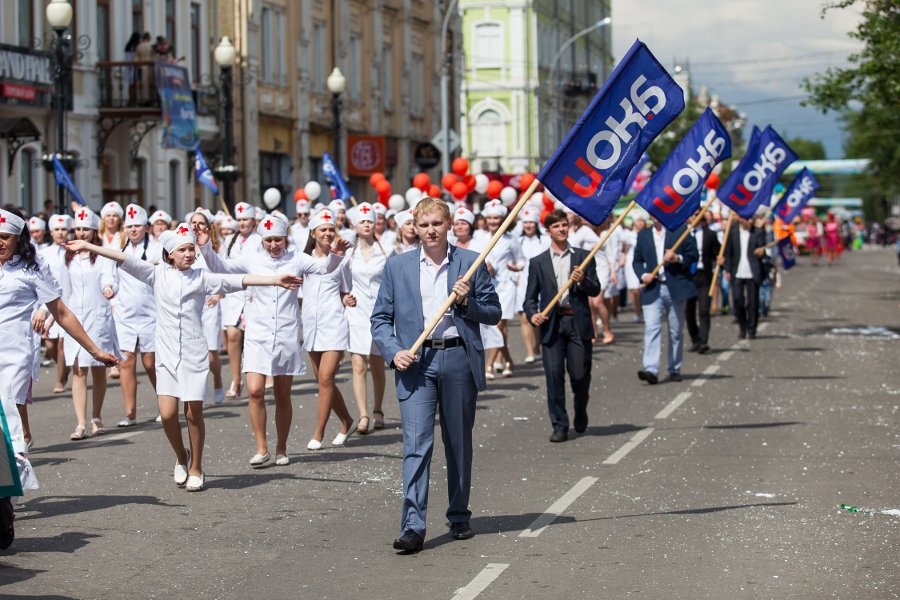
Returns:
(459, 183)
(382, 187)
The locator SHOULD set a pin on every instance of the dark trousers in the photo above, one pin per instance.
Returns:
(745, 299)
(572, 353)
(698, 328)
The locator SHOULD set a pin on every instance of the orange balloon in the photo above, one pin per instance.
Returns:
(421, 181)
(375, 178)
(494, 189)
(300, 194)
(712, 182)
(469, 180)
(525, 181)
(383, 187)
(460, 190)
(434, 191)
(448, 180)
(460, 166)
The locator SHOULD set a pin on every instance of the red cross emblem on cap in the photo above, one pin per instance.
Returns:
(60, 220)
(326, 217)
(365, 210)
(183, 230)
(2, 219)
(240, 208)
(461, 212)
(131, 212)
(82, 215)
(268, 225)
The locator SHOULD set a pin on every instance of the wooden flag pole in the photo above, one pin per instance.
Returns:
(224, 207)
(684, 235)
(715, 278)
(510, 218)
(590, 255)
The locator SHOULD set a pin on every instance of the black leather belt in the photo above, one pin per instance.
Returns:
(565, 312)
(443, 343)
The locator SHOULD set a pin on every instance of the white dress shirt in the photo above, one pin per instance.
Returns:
(743, 269)
(659, 240)
(433, 286)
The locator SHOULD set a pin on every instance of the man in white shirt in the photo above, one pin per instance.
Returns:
(743, 268)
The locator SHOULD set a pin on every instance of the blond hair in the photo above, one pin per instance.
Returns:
(429, 205)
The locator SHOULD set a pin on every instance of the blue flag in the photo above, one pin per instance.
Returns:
(63, 179)
(635, 171)
(204, 173)
(673, 193)
(798, 194)
(786, 251)
(757, 173)
(330, 170)
(588, 171)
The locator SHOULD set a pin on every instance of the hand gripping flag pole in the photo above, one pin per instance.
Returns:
(715, 277)
(683, 236)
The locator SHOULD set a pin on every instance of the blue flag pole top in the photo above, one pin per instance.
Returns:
(589, 170)
(330, 170)
(755, 177)
(204, 173)
(63, 180)
(798, 195)
(673, 193)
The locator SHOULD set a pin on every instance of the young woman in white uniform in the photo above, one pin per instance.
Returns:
(325, 333)
(135, 313)
(212, 311)
(406, 238)
(504, 262)
(160, 221)
(365, 264)
(244, 242)
(37, 229)
(533, 242)
(271, 347)
(182, 368)
(54, 255)
(88, 283)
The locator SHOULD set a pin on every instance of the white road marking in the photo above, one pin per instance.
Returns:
(762, 326)
(673, 405)
(726, 355)
(481, 581)
(628, 446)
(558, 507)
(706, 373)
(119, 436)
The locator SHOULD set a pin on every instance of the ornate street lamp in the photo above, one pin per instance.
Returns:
(337, 83)
(59, 15)
(227, 172)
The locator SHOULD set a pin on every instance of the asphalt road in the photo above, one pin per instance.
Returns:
(726, 485)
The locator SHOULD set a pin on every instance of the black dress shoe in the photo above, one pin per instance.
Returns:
(694, 347)
(559, 436)
(461, 531)
(675, 377)
(742, 335)
(581, 423)
(7, 530)
(410, 541)
(704, 349)
(648, 377)
(752, 335)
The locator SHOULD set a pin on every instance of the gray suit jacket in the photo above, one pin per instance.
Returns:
(397, 320)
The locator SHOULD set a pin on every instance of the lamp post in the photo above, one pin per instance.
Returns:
(337, 83)
(59, 15)
(445, 91)
(227, 172)
(554, 64)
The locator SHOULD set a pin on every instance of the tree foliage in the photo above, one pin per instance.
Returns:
(807, 149)
(866, 93)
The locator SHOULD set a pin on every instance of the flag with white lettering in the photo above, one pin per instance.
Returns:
(330, 170)
(786, 251)
(757, 173)
(673, 193)
(588, 171)
(798, 194)
(63, 179)
(204, 173)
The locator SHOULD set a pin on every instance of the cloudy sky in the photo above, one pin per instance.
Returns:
(752, 53)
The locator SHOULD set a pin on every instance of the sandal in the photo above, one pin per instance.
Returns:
(234, 391)
(379, 420)
(78, 434)
(360, 429)
(97, 427)
(59, 389)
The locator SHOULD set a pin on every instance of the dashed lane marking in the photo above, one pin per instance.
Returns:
(707, 372)
(628, 446)
(557, 508)
(726, 355)
(673, 405)
(487, 576)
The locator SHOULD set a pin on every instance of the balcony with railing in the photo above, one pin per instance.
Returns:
(128, 89)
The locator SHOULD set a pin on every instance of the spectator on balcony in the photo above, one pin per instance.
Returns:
(144, 53)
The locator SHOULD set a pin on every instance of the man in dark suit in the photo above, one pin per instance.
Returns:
(744, 270)
(567, 330)
(665, 294)
(449, 372)
(708, 245)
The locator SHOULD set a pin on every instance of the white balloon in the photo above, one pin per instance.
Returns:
(396, 202)
(481, 183)
(313, 190)
(413, 195)
(536, 200)
(508, 195)
(272, 198)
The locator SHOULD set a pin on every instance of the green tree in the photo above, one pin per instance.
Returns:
(865, 94)
(807, 149)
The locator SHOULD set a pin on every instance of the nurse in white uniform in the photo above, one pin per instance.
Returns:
(54, 255)
(365, 265)
(271, 343)
(533, 242)
(182, 368)
(244, 242)
(300, 227)
(406, 237)
(88, 283)
(212, 311)
(160, 221)
(37, 229)
(325, 333)
(135, 313)
(504, 262)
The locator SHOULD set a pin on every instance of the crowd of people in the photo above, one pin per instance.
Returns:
(94, 292)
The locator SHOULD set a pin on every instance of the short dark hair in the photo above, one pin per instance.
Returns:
(554, 217)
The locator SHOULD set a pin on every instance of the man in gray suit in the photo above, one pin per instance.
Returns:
(449, 372)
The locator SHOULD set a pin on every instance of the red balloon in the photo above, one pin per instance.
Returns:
(459, 190)
(383, 187)
(494, 189)
(375, 178)
(460, 166)
(449, 180)
(421, 181)
(434, 191)
(469, 180)
(300, 194)
(525, 181)
(383, 197)
(712, 182)
(549, 203)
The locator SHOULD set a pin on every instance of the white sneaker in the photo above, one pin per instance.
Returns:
(195, 484)
(126, 422)
(181, 472)
(341, 438)
(314, 444)
(282, 460)
(219, 396)
(159, 418)
(260, 460)
(529, 359)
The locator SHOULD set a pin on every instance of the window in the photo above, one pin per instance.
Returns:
(282, 45)
(273, 46)
(25, 23)
(417, 85)
(489, 135)
(355, 75)
(488, 45)
(275, 171)
(174, 187)
(27, 190)
(195, 41)
(170, 23)
(319, 57)
(103, 30)
(137, 15)
(266, 40)
(387, 78)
